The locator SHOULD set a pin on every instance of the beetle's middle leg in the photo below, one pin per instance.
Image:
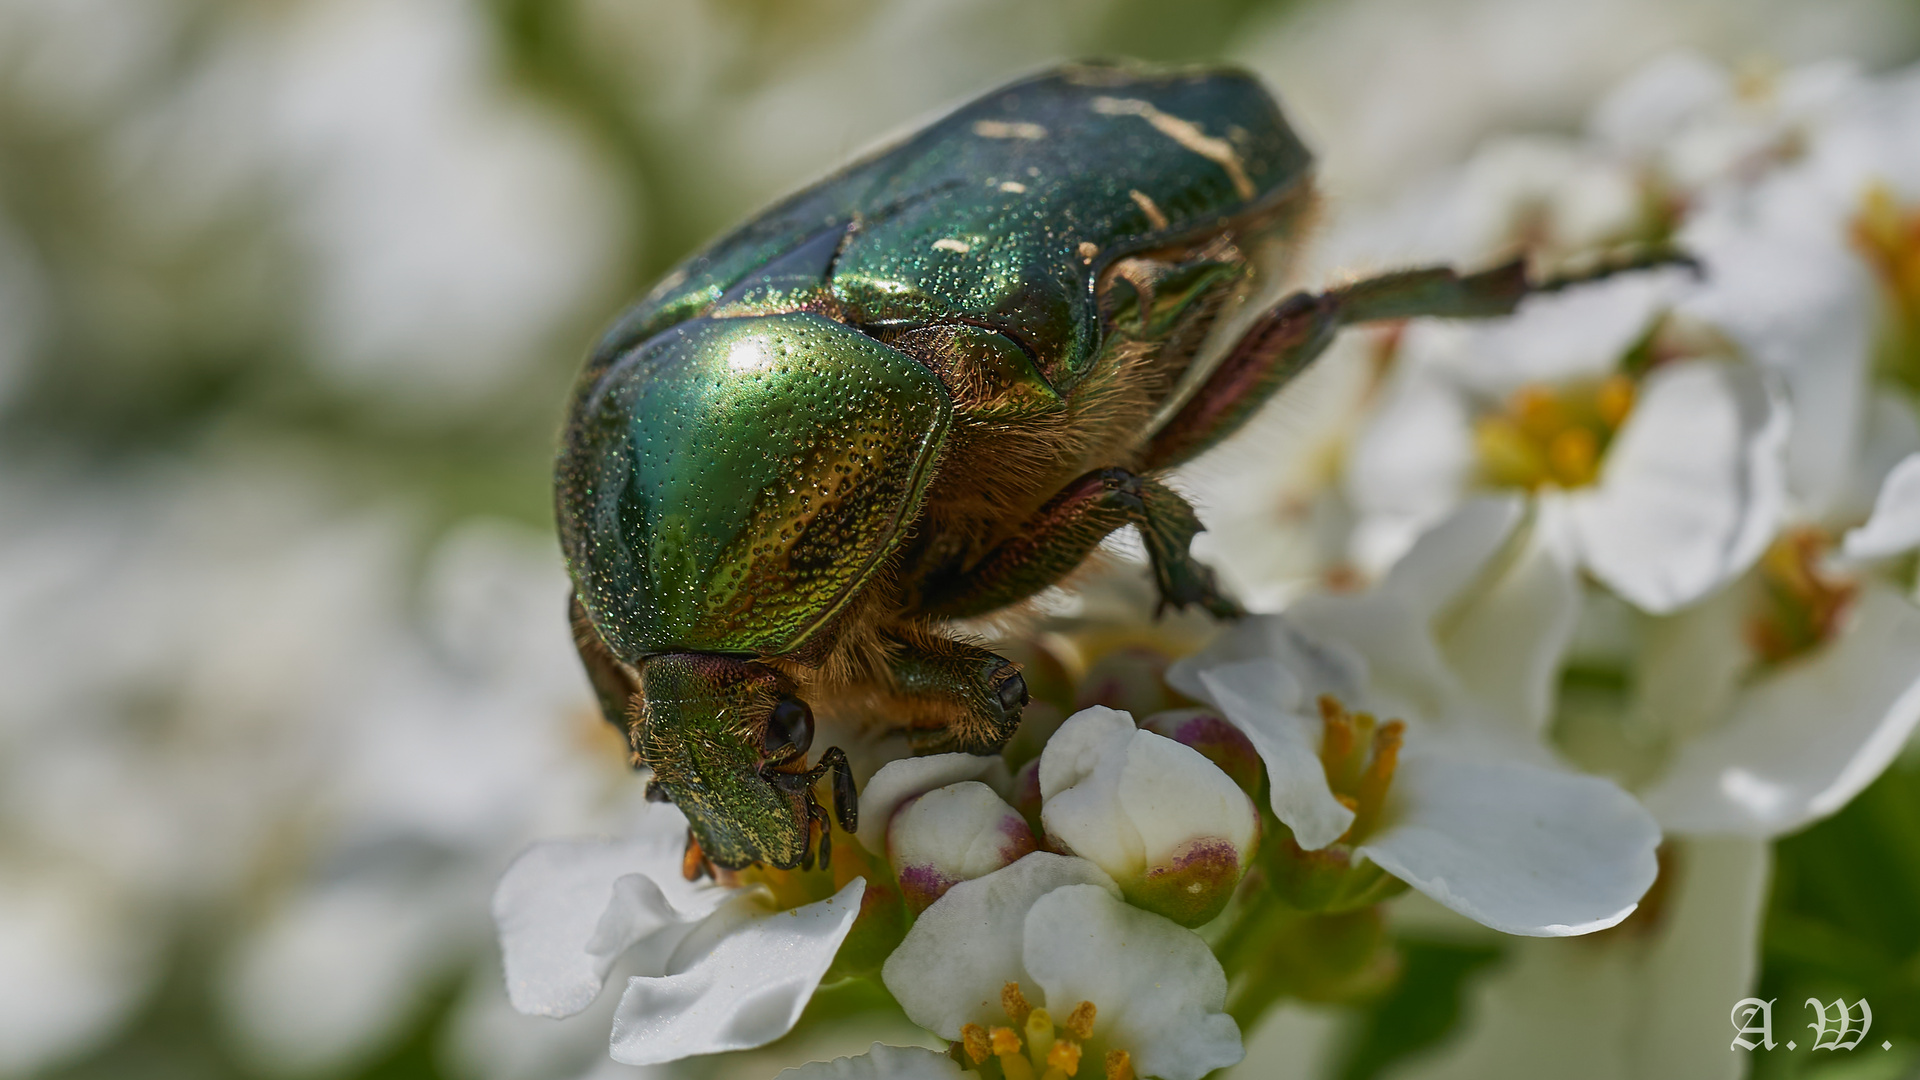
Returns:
(1290, 335)
(1065, 531)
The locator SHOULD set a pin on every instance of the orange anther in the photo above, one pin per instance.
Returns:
(1014, 1003)
(974, 1037)
(1080, 1020)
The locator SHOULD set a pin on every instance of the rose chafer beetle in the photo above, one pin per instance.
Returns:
(924, 389)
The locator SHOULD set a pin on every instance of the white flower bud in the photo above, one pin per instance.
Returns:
(1171, 828)
(953, 834)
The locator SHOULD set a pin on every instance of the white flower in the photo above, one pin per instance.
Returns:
(1664, 486)
(881, 1062)
(1723, 740)
(1048, 941)
(1461, 645)
(723, 969)
(1173, 830)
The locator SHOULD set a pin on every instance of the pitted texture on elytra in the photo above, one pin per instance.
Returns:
(729, 484)
(1005, 212)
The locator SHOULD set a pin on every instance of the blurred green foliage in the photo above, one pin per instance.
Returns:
(1844, 922)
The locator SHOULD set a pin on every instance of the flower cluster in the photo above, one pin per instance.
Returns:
(1630, 569)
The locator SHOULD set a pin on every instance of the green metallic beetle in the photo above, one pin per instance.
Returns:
(922, 389)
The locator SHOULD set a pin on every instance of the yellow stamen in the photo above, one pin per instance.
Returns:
(1119, 1065)
(1538, 413)
(1053, 1074)
(1359, 754)
(1575, 455)
(1015, 1067)
(1336, 746)
(978, 1047)
(1064, 1056)
(1801, 607)
(1552, 434)
(1377, 777)
(1887, 236)
(1615, 400)
(1507, 455)
(1005, 1041)
(1080, 1021)
(1039, 1035)
(1014, 1003)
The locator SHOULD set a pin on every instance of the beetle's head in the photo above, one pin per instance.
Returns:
(728, 741)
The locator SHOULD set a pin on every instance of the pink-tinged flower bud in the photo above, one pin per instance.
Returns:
(1131, 679)
(1172, 829)
(953, 834)
(1209, 732)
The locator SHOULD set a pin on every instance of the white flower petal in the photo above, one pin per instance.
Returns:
(746, 991)
(951, 966)
(1505, 643)
(1805, 740)
(1450, 558)
(881, 1062)
(1638, 1006)
(1316, 666)
(902, 779)
(1264, 702)
(1082, 801)
(1158, 992)
(1410, 464)
(1692, 488)
(560, 895)
(1799, 302)
(1522, 849)
(1895, 525)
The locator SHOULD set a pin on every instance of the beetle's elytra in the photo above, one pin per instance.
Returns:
(925, 388)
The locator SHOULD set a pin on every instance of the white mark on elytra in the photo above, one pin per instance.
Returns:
(1150, 208)
(1088, 249)
(1186, 133)
(959, 247)
(1008, 129)
(1014, 186)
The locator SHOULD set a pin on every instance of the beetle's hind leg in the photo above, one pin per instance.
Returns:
(1293, 332)
(1067, 529)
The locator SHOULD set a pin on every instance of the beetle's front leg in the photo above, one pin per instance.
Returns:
(949, 696)
(1291, 334)
(1062, 534)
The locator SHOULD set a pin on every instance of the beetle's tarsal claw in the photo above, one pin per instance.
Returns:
(694, 865)
(1012, 690)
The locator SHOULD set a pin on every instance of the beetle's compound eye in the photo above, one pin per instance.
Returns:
(789, 729)
(656, 793)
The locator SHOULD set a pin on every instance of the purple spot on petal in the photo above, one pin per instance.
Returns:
(920, 886)
(1194, 885)
(1216, 739)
